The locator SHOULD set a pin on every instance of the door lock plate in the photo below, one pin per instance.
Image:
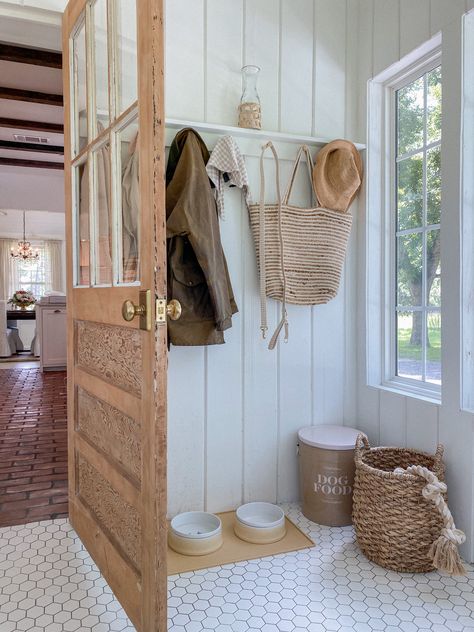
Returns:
(161, 311)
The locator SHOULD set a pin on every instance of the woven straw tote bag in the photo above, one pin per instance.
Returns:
(300, 251)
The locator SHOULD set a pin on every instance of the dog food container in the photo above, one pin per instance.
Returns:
(195, 533)
(260, 523)
(326, 464)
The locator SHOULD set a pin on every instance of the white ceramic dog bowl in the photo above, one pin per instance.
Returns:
(260, 523)
(195, 533)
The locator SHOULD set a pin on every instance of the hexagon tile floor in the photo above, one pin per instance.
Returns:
(48, 583)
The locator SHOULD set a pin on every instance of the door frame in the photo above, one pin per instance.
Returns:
(151, 616)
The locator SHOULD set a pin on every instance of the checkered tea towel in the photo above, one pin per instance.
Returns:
(226, 165)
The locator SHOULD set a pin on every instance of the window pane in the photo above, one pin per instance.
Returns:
(434, 106)
(409, 345)
(81, 213)
(127, 54)
(102, 216)
(409, 270)
(410, 106)
(129, 228)
(433, 351)
(101, 66)
(410, 192)
(433, 185)
(79, 89)
(433, 267)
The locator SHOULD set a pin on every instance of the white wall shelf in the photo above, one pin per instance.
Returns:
(254, 134)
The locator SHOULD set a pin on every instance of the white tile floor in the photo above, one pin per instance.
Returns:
(48, 583)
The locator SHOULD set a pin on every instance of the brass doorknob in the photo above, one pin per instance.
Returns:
(174, 310)
(130, 310)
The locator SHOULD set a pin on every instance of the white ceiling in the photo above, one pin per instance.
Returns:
(38, 224)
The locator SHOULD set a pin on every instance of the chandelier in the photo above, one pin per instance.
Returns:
(25, 250)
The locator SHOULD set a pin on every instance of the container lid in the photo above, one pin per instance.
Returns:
(329, 437)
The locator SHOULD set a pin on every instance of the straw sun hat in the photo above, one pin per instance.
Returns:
(337, 175)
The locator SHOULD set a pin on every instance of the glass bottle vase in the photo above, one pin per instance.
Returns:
(250, 112)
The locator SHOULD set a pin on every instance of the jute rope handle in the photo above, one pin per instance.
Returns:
(444, 551)
(304, 149)
(361, 446)
(263, 296)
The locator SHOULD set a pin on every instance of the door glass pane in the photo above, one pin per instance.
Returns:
(433, 186)
(409, 345)
(79, 85)
(434, 106)
(101, 66)
(129, 194)
(82, 214)
(102, 216)
(410, 192)
(433, 347)
(127, 82)
(410, 109)
(409, 270)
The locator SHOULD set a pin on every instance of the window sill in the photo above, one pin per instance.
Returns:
(407, 390)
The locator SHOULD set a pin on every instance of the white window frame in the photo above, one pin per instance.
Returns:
(381, 223)
(467, 219)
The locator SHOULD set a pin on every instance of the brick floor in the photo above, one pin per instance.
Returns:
(33, 446)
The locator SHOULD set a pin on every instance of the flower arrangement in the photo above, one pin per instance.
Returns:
(22, 299)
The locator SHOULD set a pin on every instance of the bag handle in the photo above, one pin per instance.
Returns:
(263, 295)
(304, 149)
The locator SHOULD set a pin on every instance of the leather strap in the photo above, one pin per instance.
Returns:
(263, 297)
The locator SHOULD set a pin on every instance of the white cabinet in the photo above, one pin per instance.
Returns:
(52, 332)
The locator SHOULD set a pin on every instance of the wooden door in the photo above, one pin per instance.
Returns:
(114, 180)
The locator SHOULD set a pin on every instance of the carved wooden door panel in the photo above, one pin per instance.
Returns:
(114, 175)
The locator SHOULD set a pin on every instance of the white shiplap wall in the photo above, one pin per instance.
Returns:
(388, 30)
(234, 410)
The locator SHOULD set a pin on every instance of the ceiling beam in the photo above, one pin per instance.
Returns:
(35, 56)
(29, 96)
(56, 128)
(34, 147)
(35, 164)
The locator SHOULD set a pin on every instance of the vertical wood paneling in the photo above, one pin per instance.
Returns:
(393, 430)
(224, 60)
(260, 371)
(224, 381)
(386, 34)
(368, 407)
(296, 66)
(414, 24)
(186, 429)
(329, 68)
(262, 47)
(350, 266)
(445, 11)
(422, 424)
(328, 321)
(295, 362)
(185, 85)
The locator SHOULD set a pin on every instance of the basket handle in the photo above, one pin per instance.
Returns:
(438, 457)
(361, 445)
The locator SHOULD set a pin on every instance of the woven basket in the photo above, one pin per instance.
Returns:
(395, 526)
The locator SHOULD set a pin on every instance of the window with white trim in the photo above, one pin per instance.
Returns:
(34, 276)
(415, 192)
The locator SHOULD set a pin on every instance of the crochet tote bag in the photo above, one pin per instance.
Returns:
(300, 251)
